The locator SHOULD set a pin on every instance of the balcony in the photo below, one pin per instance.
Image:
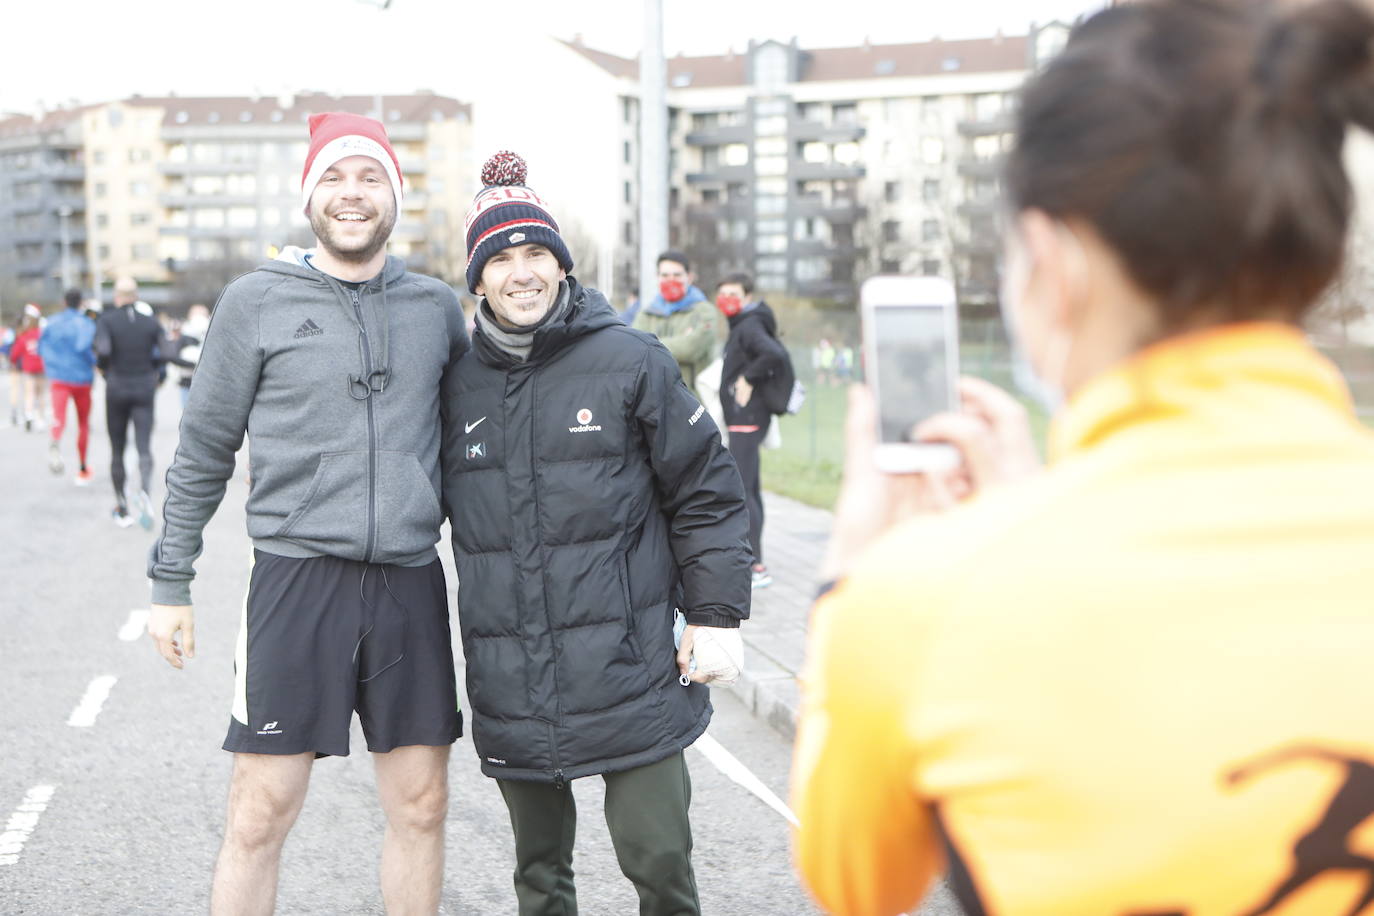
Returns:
(718, 136)
(722, 175)
(836, 211)
(728, 209)
(824, 289)
(982, 168)
(974, 209)
(207, 168)
(825, 171)
(189, 200)
(811, 131)
(1003, 123)
(813, 248)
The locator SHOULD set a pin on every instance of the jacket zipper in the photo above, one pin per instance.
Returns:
(558, 780)
(371, 434)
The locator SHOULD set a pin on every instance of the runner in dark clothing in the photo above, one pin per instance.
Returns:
(130, 349)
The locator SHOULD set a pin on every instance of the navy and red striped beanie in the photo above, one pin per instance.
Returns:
(506, 213)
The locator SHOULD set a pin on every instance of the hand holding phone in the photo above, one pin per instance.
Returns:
(911, 352)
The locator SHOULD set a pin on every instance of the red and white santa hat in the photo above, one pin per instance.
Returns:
(336, 135)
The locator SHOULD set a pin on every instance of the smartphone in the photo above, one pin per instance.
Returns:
(911, 361)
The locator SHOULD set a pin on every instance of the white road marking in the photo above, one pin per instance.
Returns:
(22, 821)
(136, 625)
(89, 707)
(728, 764)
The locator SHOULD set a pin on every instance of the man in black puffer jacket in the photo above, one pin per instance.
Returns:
(752, 354)
(590, 498)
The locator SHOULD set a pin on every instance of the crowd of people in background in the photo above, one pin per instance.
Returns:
(54, 359)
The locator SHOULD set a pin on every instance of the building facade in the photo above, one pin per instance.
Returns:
(184, 193)
(813, 169)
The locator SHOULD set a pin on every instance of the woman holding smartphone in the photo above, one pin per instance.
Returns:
(1137, 681)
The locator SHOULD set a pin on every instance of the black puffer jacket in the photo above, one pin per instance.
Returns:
(753, 351)
(589, 495)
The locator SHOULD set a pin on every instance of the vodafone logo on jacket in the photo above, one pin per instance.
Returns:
(584, 423)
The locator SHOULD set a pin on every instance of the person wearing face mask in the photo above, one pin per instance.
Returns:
(682, 318)
(752, 354)
(1136, 681)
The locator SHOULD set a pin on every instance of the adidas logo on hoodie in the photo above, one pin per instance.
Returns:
(309, 329)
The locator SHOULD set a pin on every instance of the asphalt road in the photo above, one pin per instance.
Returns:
(123, 813)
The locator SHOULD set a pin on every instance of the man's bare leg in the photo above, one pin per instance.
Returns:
(265, 795)
(412, 783)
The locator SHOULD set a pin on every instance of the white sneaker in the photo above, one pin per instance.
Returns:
(145, 510)
(121, 517)
(54, 458)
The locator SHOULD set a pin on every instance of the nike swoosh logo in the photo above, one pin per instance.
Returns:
(469, 427)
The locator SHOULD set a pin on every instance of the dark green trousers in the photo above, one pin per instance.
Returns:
(646, 811)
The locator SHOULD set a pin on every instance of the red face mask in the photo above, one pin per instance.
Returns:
(729, 305)
(672, 290)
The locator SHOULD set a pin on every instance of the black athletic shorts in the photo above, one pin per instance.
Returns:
(321, 637)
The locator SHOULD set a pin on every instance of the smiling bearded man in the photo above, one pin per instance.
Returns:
(346, 607)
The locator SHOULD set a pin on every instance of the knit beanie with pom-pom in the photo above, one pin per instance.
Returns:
(506, 213)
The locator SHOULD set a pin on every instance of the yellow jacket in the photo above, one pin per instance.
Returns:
(1142, 684)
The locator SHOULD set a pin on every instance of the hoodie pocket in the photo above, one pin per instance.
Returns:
(408, 513)
(334, 510)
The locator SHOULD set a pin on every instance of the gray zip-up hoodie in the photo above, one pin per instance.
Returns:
(338, 392)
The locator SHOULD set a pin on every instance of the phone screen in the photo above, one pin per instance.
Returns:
(913, 378)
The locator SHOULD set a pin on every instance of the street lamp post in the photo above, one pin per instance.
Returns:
(653, 151)
(63, 214)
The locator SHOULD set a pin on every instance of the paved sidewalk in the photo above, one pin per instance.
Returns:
(794, 539)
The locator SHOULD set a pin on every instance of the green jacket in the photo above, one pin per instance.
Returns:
(692, 335)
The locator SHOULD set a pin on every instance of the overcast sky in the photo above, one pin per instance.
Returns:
(96, 50)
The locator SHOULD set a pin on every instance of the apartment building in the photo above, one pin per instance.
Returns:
(184, 192)
(42, 207)
(813, 168)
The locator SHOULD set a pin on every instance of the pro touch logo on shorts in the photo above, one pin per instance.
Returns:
(270, 728)
(584, 419)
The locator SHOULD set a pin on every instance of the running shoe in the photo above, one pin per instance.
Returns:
(121, 516)
(83, 477)
(54, 458)
(145, 510)
(760, 576)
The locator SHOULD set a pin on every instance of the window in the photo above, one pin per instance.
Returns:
(629, 193)
(890, 266)
(271, 217)
(846, 153)
(844, 113)
(710, 195)
(100, 189)
(930, 267)
(736, 154)
(102, 220)
(930, 190)
(629, 153)
(770, 66)
(771, 226)
(207, 184)
(771, 165)
(245, 116)
(987, 148)
(627, 110)
(139, 188)
(932, 151)
(99, 157)
(208, 218)
(704, 120)
(930, 107)
(810, 269)
(774, 126)
(104, 252)
(736, 191)
(243, 217)
(818, 153)
(710, 158)
(930, 230)
(140, 219)
(143, 252)
(770, 146)
(771, 244)
(770, 204)
(892, 192)
(629, 234)
(140, 155)
(892, 231)
(241, 183)
(811, 111)
(770, 186)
